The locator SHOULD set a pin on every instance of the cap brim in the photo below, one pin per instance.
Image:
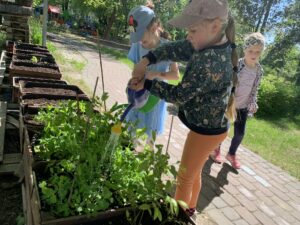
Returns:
(184, 21)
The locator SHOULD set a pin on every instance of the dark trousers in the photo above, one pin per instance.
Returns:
(239, 130)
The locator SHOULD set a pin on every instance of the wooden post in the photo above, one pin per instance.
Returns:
(45, 20)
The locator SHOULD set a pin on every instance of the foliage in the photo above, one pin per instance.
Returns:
(277, 97)
(35, 31)
(2, 40)
(82, 179)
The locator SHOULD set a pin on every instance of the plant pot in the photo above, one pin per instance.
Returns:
(38, 70)
(51, 91)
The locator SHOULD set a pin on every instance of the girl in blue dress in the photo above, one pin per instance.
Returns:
(146, 34)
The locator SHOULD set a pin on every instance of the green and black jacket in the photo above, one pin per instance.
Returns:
(203, 93)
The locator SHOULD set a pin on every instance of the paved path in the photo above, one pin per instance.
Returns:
(259, 193)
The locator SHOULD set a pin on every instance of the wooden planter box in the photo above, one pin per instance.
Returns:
(16, 87)
(22, 69)
(30, 47)
(36, 216)
(40, 59)
(51, 91)
(30, 52)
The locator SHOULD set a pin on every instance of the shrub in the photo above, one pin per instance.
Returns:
(277, 97)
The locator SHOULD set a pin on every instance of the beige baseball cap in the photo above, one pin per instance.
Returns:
(198, 10)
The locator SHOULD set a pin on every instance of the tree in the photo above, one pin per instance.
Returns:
(287, 38)
(256, 15)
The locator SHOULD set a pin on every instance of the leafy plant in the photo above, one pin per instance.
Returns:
(34, 59)
(79, 179)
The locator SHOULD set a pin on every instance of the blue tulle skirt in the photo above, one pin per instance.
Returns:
(152, 121)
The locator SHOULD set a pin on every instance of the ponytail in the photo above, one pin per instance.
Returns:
(150, 4)
(230, 34)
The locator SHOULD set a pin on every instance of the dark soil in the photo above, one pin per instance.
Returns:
(11, 205)
(31, 64)
(51, 91)
(40, 102)
(31, 47)
(39, 59)
(32, 53)
(10, 200)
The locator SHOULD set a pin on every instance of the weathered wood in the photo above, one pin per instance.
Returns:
(13, 158)
(10, 23)
(13, 29)
(24, 201)
(13, 121)
(7, 9)
(35, 203)
(8, 168)
(3, 106)
(12, 106)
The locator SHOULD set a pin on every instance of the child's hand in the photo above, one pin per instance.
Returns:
(139, 69)
(252, 108)
(136, 84)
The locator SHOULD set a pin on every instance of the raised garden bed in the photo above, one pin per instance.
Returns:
(31, 47)
(16, 80)
(34, 59)
(51, 91)
(30, 52)
(98, 180)
(34, 70)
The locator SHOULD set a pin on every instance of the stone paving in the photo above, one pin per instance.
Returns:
(258, 193)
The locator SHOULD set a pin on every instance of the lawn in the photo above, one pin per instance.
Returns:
(276, 140)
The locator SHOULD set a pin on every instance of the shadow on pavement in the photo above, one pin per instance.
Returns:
(213, 186)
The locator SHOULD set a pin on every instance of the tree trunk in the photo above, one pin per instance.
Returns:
(266, 16)
(261, 16)
(110, 23)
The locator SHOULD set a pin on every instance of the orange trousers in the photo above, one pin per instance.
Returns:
(195, 153)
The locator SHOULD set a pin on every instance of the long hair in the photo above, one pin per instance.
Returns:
(164, 34)
(230, 34)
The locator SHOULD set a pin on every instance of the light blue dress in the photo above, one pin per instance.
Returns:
(155, 119)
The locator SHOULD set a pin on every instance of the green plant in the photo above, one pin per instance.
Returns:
(277, 97)
(83, 180)
(35, 31)
(34, 59)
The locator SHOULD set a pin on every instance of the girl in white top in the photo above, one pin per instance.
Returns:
(249, 76)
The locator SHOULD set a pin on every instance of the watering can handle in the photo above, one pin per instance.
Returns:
(129, 107)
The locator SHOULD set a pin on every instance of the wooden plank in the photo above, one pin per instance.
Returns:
(13, 106)
(13, 121)
(15, 10)
(12, 158)
(35, 203)
(24, 201)
(3, 106)
(8, 169)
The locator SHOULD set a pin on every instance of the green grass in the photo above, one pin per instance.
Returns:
(77, 66)
(276, 140)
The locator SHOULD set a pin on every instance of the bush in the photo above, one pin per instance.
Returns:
(277, 97)
(36, 34)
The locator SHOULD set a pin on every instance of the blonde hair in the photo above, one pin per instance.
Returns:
(254, 39)
(164, 34)
(230, 34)
(149, 4)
